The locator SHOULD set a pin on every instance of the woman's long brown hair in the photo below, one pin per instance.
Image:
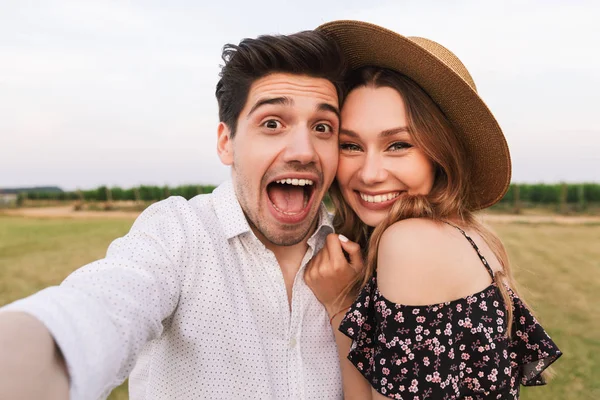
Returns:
(448, 198)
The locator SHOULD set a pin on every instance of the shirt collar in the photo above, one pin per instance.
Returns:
(234, 222)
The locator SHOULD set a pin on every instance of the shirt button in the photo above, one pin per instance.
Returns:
(292, 343)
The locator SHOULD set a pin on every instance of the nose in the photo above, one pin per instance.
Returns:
(373, 170)
(300, 147)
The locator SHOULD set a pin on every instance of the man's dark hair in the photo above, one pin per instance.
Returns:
(304, 53)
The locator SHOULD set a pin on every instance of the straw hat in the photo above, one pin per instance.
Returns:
(443, 76)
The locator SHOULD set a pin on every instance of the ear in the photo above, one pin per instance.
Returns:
(224, 144)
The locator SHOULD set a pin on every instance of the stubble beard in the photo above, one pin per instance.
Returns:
(278, 234)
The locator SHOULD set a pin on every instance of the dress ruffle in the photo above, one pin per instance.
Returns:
(531, 349)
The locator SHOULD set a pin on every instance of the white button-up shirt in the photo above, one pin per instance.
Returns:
(196, 306)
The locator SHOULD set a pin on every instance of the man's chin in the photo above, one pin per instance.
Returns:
(282, 234)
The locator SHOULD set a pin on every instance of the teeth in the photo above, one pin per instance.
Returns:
(295, 182)
(379, 198)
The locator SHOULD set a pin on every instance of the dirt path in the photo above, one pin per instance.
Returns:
(68, 212)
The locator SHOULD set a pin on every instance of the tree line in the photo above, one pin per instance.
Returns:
(541, 193)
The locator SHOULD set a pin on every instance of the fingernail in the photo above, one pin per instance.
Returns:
(343, 238)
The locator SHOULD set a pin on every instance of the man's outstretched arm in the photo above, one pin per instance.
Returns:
(31, 365)
(103, 314)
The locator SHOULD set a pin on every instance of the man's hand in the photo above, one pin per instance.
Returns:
(31, 366)
(329, 272)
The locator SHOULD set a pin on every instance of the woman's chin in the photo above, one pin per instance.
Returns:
(371, 218)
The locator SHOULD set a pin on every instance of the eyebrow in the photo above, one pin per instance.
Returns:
(286, 101)
(382, 134)
(329, 108)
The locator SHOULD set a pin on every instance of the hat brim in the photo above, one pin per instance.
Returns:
(365, 44)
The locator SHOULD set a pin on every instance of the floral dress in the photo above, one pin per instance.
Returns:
(453, 350)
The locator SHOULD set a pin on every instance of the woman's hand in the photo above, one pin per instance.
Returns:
(329, 272)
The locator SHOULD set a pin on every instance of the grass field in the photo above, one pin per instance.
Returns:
(558, 267)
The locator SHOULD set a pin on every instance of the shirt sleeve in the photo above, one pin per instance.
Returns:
(105, 312)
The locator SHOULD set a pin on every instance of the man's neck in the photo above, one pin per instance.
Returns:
(289, 258)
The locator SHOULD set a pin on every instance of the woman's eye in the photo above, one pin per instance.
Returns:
(272, 124)
(350, 147)
(399, 146)
(323, 128)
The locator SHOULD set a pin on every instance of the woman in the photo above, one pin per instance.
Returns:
(437, 315)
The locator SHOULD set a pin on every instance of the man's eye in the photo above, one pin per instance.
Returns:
(396, 146)
(349, 147)
(272, 124)
(323, 128)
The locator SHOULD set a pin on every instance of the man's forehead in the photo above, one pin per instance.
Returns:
(289, 85)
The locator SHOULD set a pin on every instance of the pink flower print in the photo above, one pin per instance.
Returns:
(402, 388)
(522, 320)
(382, 361)
(451, 354)
(385, 371)
(411, 356)
(399, 318)
(419, 338)
(459, 307)
(426, 332)
(495, 303)
(383, 380)
(448, 330)
(414, 387)
(426, 361)
(351, 331)
(480, 374)
(465, 356)
(439, 350)
(419, 329)
(415, 311)
(462, 347)
(471, 299)
(420, 319)
(483, 306)
(404, 371)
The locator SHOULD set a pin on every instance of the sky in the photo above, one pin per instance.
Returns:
(121, 93)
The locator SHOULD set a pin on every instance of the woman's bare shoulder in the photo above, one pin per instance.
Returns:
(423, 262)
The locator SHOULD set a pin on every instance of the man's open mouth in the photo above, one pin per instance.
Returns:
(291, 197)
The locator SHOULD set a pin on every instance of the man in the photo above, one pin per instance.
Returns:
(206, 298)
